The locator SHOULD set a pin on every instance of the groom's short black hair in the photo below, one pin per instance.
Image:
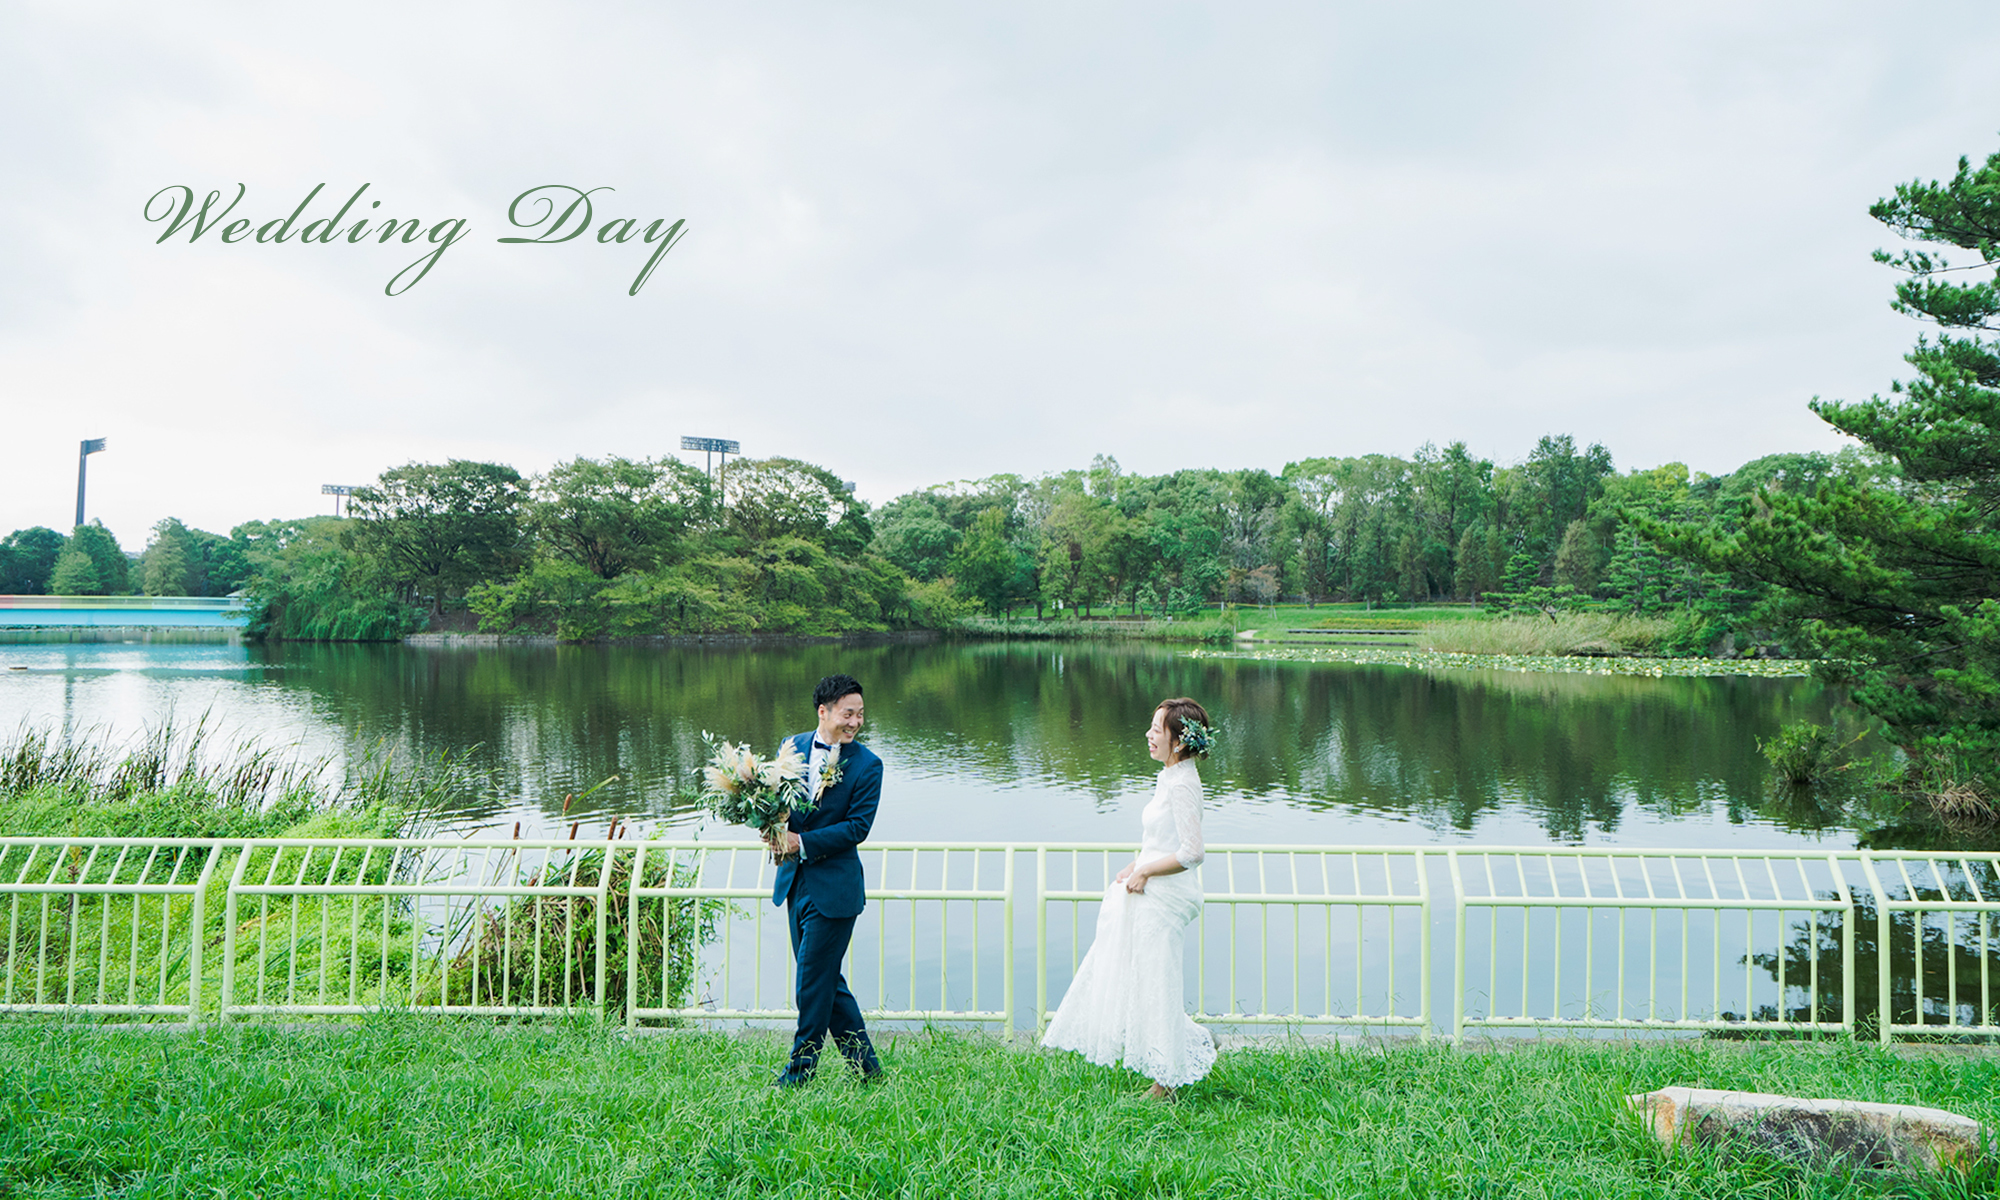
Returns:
(833, 687)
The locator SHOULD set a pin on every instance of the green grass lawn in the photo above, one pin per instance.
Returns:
(411, 1107)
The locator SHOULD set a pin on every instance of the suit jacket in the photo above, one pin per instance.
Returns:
(828, 867)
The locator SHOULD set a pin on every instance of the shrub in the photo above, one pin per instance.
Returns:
(1802, 753)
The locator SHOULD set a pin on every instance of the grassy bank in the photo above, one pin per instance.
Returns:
(1205, 628)
(416, 1108)
(1432, 660)
(173, 783)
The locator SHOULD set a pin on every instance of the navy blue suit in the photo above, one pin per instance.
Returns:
(824, 892)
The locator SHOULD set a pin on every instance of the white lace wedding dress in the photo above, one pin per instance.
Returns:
(1125, 1003)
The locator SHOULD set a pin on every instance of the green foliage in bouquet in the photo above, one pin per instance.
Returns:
(743, 789)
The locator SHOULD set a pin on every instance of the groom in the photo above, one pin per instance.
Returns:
(819, 879)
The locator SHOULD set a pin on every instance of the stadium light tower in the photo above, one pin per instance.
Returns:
(338, 491)
(90, 447)
(711, 447)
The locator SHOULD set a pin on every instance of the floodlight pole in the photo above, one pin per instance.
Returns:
(338, 491)
(710, 447)
(88, 447)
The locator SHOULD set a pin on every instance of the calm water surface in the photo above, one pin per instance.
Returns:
(996, 742)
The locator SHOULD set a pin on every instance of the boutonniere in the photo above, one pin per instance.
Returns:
(829, 771)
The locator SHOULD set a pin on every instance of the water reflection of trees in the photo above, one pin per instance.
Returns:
(1960, 969)
(1448, 748)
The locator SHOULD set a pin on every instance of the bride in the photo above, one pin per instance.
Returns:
(1125, 1002)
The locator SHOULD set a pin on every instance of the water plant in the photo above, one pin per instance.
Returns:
(1802, 753)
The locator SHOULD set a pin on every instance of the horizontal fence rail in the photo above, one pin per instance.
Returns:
(1338, 913)
(1542, 938)
(1654, 939)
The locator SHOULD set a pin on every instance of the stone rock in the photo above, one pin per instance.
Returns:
(1863, 1134)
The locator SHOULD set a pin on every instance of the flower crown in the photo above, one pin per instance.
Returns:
(1196, 738)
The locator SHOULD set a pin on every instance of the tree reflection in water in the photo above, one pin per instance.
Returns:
(1034, 742)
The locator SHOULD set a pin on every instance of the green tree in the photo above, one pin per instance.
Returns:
(1075, 546)
(27, 559)
(784, 497)
(75, 574)
(308, 584)
(985, 564)
(1476, 568)
(1557, 484)
(912, 532)
(618, 514)
(224, 565)
(1638, 574)
(172, 562)
(1892, 573)
(1522, 573)
(110, 572)
(436, 529)
(1577, 558)
(1451, 493)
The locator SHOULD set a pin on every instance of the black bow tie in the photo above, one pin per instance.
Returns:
(819, 745)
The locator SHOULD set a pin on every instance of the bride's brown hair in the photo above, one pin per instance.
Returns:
(1178, 712)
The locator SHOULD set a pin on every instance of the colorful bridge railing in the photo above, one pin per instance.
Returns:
(1541, 938)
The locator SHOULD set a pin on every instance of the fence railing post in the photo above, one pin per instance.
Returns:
(1847, 980)
(1007, 943)
(1883, 992)
(1041, 939)
(197, 920)
(1424, 943)
(1458, 951)
(604, 926)
(632, 938)
(228, 997)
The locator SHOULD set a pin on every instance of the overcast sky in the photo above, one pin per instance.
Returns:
(929, 242)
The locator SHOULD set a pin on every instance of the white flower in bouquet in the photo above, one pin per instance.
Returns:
(744, 789)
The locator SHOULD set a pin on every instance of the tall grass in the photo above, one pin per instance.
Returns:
(417, 1108)
(175, 782)
(541, 950)
(1560, 634)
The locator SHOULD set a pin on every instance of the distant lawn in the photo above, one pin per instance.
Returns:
(1280, 618)
(411, 1107)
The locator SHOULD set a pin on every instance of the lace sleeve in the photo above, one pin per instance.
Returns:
(1184, 801)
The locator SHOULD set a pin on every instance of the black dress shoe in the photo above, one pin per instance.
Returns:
(794, 1075)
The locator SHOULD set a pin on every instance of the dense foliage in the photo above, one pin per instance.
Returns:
(625, 547)
(1890, 571)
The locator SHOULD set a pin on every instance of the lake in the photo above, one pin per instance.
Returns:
(991, 741)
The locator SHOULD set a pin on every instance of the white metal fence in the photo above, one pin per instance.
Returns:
(1544, 938)
(1941, 908)
(1608, 962)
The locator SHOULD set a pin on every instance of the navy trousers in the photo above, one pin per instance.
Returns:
(826, 1006)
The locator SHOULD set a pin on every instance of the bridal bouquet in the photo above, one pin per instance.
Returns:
(743, 789)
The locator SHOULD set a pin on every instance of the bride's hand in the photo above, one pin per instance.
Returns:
(1135, 883)
(1125, 873)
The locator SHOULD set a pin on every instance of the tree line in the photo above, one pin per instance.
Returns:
(618, 546)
